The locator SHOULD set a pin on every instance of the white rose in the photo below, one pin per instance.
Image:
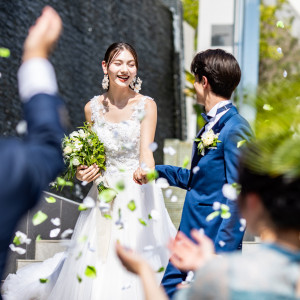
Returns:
(82, 134)
(78, 146)
(68, 150)
(73, 134)
(76, 162)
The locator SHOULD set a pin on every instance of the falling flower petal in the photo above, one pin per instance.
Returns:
(55, 221)
(120, 186)
(153, 146)
(161, 269)
(148, 248)
(168, 193)
(216, 205)
(38, 237)
(279, 50)
(186, 161)
(229, 191)
(162, 183)
(66, 233)
(39, 218)
(79, 278)
(174, 198)
(90, 272)
(196, 169)
(50, 199)
(241, 143)
(131, 205)
(152, 175)
(21, 238)
(201, 231)
(21, 127)
(104, 207)
(44, 280)
(4, 52)
(212, 215)
(82, 207)
(142, 222)
(154, 214)
(169, 150)
(222, 243)
(19, 250)
(285, 74)
(89, 202)
(107, 195)
(84, 183)
(267, 107)
(190, 276)
(280, 24)
(54, 232)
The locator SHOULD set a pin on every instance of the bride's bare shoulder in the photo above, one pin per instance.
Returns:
(88, 107)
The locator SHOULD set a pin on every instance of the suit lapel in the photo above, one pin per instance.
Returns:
(217, 129)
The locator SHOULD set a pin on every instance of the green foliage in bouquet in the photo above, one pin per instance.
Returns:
(82, 147)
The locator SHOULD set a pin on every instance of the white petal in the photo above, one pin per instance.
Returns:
(154, 214)
(84, 183)
(285, 74)
(55, 221)
(21, 127)
(243, 222)
(201, 231)
(89, 202)
(19, 250)
(54, 232)
(162, 183)
(153, 146)
(190, 276)
(222, 243)
(168, 193)
(196, 169)
(66, 233)
(174, 198)
(169, 150)
(216, 205)
(229, 192)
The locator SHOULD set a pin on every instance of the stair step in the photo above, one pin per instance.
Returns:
(24, 262)
(45, 249)
(249, 247)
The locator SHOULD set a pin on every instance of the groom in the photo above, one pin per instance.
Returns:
(217, 74)
(27, 166)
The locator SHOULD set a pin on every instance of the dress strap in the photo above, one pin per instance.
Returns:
(95, 109)
(139, 109)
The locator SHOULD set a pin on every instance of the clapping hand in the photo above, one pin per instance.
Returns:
(43, 35)
(189, 256)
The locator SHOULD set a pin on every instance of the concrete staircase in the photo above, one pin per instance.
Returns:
(44, 249)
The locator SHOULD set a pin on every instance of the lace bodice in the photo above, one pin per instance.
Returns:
(121, 140)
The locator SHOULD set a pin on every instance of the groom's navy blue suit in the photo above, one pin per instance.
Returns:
(217, 167)
(27, 166)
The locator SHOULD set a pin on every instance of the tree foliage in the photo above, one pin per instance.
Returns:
(279, 50)
(190, 12)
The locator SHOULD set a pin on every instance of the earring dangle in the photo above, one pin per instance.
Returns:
(105, 82)
(136, 84)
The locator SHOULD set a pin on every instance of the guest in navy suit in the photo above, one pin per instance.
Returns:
(217, 74)
(28, 165)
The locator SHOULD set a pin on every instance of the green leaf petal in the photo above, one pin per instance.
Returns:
(241, 143)
(79, 278)
(4, 52)
(120, 186)
(280, 24)
(44, 280)
(82, 207)
(212, 215)
(142, 222)
(152, 175)
(90, 271)
(107, 216)
(38, 238)
(149, 217)
(107, 195)
(224, 208)
(268, 107)
(131, 205)
(50, 199)
(225, 215)
(16, 241)
(39, 218)
(161, 269)
(186, 161)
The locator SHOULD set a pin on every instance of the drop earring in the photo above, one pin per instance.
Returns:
(105, 82)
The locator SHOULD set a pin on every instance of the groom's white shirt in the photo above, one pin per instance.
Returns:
(36, 76)
(216, 117)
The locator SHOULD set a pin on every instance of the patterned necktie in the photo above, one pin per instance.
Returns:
(221, 109)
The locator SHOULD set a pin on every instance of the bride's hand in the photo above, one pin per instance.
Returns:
(140, 176)
(87, 174)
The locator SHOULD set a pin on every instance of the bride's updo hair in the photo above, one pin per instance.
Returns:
(114, 49)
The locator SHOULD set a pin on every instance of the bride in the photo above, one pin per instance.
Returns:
(125, 122)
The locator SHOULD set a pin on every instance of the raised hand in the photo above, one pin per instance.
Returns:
(140, 176)
(43, 35)
(88, 174)
(188, 256)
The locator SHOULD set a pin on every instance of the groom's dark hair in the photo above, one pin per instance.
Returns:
(220, 68)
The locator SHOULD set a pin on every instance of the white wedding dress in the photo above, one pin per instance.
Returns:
(146, 229)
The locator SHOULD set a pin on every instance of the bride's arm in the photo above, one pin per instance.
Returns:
(85, 173)
(148, 127)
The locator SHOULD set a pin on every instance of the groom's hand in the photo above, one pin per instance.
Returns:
(43, 35)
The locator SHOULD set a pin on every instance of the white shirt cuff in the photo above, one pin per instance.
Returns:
(36, 76)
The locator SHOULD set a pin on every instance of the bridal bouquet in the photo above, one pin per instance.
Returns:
(82, 147)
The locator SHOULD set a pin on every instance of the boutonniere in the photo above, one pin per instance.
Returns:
(208, 140)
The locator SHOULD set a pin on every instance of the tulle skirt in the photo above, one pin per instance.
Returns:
(90, 269)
